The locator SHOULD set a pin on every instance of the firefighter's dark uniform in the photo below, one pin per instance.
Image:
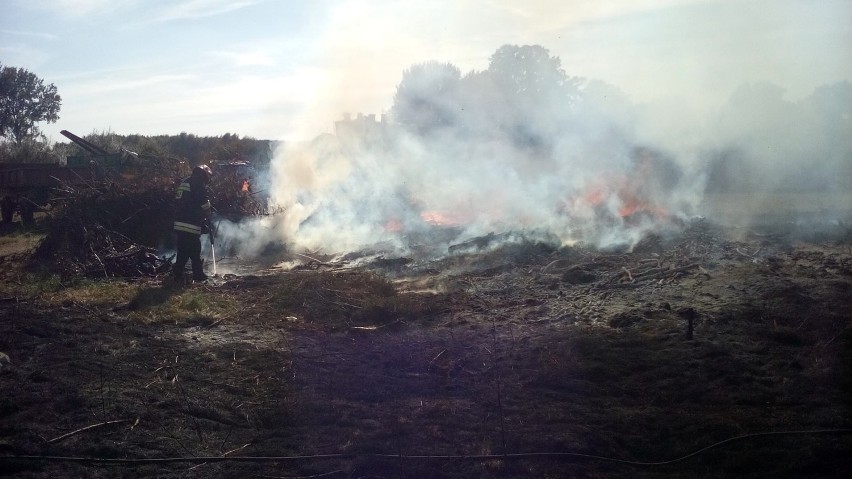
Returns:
(191, 220)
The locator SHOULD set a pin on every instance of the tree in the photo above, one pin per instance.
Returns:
(24, 101)
(540, 97)
(831, 107)
(530, 74)
(426, 98)
(482, 106)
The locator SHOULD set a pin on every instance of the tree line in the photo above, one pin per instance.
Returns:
(26, 100)
(524, 97)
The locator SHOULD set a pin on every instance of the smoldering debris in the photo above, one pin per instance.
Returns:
(522, 144)
(656, 260)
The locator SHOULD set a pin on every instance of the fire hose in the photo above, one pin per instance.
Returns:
(212, 232)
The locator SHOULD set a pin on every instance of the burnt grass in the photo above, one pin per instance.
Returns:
(581, 354)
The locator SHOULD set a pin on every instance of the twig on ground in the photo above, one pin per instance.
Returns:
(237, 449)
(106, 275)
(547, 266)
(84, 429)
(438, 356)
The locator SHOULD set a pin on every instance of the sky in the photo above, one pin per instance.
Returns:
(286, 70)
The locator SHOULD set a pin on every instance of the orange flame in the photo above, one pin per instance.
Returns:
(631, 195)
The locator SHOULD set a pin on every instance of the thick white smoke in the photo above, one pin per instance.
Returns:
(402, 191)
(462, 162)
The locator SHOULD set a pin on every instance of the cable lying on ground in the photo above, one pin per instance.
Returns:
(454, 457)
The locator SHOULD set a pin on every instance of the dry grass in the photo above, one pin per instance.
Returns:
(326, 361)
(18, 243)
(331, 300)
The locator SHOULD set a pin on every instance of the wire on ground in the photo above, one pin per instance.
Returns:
(454, 457)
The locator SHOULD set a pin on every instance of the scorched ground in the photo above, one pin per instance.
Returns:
(519, 349)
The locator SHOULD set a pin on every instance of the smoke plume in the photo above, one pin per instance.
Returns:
(523, 147)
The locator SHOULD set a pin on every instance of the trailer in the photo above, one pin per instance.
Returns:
(27, 187)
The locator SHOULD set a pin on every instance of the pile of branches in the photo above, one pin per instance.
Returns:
(76, 246)
(110, 228)
(235, 197)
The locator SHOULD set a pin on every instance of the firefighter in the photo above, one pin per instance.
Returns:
(192, 219)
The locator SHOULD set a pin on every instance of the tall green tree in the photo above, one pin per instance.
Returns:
(426, 98)
(530, 74)
(539, 96)
(24, 101)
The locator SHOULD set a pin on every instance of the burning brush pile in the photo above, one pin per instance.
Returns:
(113, 228)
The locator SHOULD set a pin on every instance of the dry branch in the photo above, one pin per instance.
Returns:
(549, 265)
(237, 449)
(87, 428)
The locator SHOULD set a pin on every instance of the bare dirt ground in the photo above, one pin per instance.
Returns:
(519, 360)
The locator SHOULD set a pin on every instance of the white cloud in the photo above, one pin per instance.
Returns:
(78, 8)
(192, 9)
(546, 15)
(258, 58)
(40, 35)
(271, 107)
